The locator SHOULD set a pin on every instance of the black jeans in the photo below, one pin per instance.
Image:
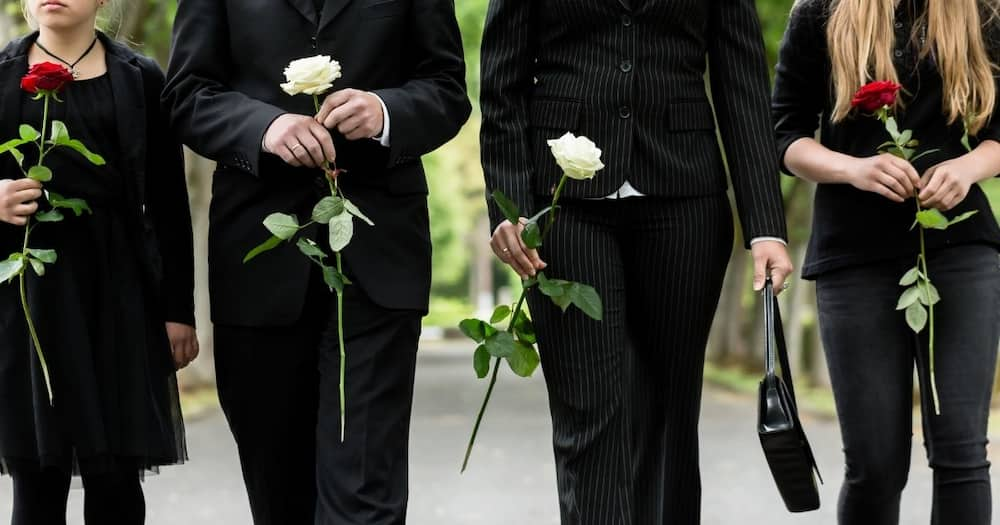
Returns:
(871, 353)
(111, 497)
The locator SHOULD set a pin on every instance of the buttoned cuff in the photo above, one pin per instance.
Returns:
(383, 139)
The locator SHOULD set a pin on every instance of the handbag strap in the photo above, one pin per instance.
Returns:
(774, 344)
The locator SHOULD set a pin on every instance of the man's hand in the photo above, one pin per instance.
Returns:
(770, 258)
(183, 343)
(300, 141)
(355, 114)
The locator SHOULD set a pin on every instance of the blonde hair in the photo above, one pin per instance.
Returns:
(861, 39)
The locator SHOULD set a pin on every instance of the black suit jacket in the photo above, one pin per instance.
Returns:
(223, 92)
(156, 192)
(630, 74)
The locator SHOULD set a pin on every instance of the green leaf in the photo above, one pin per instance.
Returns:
(333, 279)
(78, 147)
(907, 153)
(963, 217)
(18, 156)
(537, 216)
(49, 216)
(965, 142)
(28, 133)
(507, 206)
(548, 286)
(587, 300)
(886, 145)
(11, 144)
(924, 154)
(266, 246)
(912, 144)
(916, 317)
(910, 296)
(11, 268)
(893, 128)
(327, 208)
(38, 266)
(933, 219)
(932, 292)
(905, 136)
(40, 173)
(562, 301)
(524, 329)
(910, 277)
(524, 360)
(474, 329)
(341, 231)
(281, 225)
(310, 249)
(502, 312)
(46, 256)
(59, 134)
(79, 206)
(500, 344)
(355, 211)
(481, 362)
(532, 236)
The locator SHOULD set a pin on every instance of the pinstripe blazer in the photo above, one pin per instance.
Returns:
(630, 74)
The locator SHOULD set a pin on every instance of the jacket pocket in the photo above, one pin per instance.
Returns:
(554, 113)
(690, 116)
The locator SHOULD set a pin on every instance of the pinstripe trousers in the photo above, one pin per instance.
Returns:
(625, 393)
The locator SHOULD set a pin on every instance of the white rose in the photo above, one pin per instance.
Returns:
(579, 158)
(311, 76)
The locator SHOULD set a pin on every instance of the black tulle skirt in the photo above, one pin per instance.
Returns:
(115, 399)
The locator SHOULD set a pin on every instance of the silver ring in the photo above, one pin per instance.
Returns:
(295, 147)
(786, 285)
(505, 250)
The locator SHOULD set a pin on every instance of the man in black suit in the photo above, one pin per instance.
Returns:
(401, 96)
(652, 232)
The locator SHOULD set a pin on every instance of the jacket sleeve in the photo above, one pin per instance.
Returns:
(200, 105)
(739, 80)
(508, 52)
(430, 108)
(168, 209)
(802, 79)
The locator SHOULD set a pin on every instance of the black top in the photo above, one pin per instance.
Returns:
(851, 226)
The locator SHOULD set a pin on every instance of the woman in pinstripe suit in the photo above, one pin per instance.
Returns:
(653, 232)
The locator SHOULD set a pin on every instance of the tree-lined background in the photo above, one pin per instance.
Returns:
(466, 278)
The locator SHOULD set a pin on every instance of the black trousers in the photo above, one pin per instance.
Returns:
(625, 393)
(871, 355)
(110, 497)
(279, 389)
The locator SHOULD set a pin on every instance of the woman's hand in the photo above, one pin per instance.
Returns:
(947, 184)
(183, 343)
(885, 174)
(509, 248)
(17, 200)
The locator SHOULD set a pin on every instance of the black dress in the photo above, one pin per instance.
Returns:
(115, 392)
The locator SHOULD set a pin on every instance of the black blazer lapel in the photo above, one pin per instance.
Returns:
(331, 9)
(627, 4)
(307, 8)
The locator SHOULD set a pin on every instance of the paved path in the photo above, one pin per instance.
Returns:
(511, 479)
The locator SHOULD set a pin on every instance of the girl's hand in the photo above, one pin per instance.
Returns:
(17, 200)
(183, 343)
(946, 185)
(885, 174)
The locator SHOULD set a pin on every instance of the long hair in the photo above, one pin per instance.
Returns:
(109, 18)
(861, 39)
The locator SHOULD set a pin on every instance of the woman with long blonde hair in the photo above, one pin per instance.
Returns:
(944, 55)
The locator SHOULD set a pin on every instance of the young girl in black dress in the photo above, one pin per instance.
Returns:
(944, 54)
(115, 312)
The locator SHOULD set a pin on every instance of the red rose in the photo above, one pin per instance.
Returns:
(46, 76)
(875, 95)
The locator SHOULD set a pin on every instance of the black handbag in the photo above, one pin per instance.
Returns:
(781, 435)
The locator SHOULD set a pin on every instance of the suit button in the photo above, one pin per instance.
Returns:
(626, 20)
(626, 66)
(624, 112)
